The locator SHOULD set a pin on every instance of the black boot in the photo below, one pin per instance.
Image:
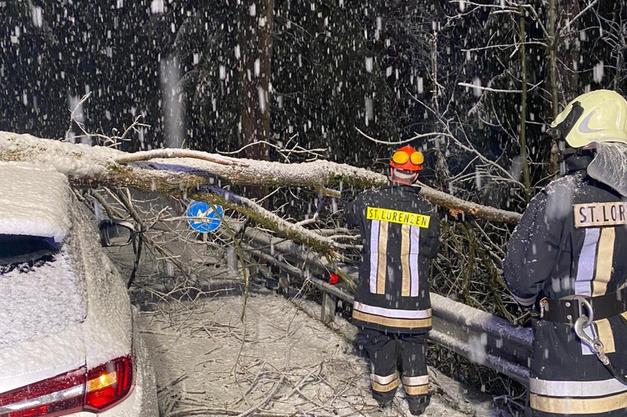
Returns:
(418, 405)
(384, 403)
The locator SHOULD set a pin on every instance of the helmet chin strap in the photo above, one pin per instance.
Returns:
(561, 145)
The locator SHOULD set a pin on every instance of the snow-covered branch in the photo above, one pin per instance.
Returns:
(196, 178)
(177, 153)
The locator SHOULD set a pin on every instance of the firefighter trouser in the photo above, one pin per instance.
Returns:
(391, 355)
(567, 379)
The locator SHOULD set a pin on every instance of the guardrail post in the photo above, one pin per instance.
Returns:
(329, 304)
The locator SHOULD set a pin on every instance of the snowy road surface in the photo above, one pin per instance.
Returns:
(279, 362)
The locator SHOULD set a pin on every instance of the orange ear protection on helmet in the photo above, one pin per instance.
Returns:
(407, 158)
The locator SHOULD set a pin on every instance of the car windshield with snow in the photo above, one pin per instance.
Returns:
(38, 287)
(28, 252)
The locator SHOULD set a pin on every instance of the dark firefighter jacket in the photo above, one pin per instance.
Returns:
(399, 231)
(572, 239)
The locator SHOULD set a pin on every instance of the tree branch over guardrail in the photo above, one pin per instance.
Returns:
(193, 174)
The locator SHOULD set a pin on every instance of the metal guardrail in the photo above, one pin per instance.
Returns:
(481, 337)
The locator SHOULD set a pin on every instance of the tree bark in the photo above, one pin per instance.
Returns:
(195, 178)
(522, 34)
(568, 50)
(255, 68)
(552, 58)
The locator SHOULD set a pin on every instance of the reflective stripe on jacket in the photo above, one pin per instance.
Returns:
(571, 240)
(399, 231)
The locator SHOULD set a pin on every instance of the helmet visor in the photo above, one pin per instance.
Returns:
(400, 157)
(417, 158)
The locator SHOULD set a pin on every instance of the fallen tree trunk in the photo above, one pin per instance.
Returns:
(147, 170)
(194, 178)
(96, 166)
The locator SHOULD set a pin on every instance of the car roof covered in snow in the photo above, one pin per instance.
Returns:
(33, 201)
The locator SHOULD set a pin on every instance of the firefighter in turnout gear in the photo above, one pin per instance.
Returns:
(568, 257)
(392, 308)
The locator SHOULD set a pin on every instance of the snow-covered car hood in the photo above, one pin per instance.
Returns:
(33, 202)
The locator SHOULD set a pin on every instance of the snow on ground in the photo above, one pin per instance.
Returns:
(278, 362)
(290, 364)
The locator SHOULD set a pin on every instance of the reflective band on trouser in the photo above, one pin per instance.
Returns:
(416, 385)
(577, 397)
(408, 319)
(384, 383)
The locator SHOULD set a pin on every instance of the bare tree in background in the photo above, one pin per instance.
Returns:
(254, 54)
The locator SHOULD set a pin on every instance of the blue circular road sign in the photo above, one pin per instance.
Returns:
(205, 217)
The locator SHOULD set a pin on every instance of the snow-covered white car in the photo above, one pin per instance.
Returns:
(68, 344)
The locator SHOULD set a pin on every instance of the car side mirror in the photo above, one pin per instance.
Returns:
(116, 233)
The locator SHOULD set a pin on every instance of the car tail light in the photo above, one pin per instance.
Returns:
(108, 384)
(74, 391)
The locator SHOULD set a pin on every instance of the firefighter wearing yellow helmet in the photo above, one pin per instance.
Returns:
(598, 116)
(400, 236)
(567, 259)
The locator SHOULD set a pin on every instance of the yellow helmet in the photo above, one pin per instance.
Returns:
(597, 116)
